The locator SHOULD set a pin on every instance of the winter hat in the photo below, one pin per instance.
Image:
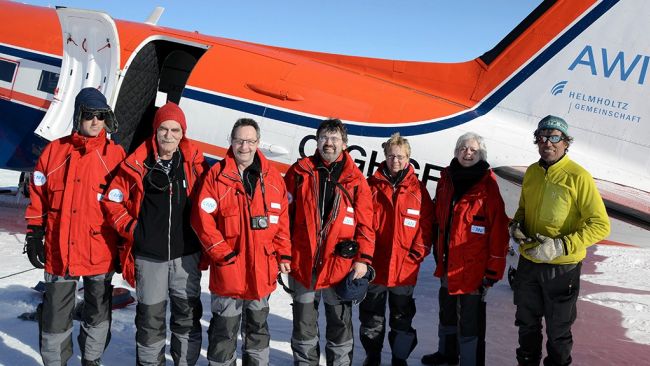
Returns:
(91, 99)
(170, 111)
(553, 123)
(354, 290)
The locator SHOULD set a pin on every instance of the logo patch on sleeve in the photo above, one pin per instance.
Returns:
(209, 205)
(116, 195)
(273, 219)
(276, 205)
(348, 221)
(478, 229)
(38, 178)
(350, 209)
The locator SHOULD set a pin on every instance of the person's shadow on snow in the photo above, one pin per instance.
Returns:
(19, 343)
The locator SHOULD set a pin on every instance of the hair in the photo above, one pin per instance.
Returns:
(245, 122)
(567, 138)
(333, 125)
(482, 150)
(397, 140)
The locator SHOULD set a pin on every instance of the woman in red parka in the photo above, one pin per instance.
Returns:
(402, 220)
(470, 249)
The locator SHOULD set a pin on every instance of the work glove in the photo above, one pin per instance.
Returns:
(514, 228)
(34, 246)
(548, 249)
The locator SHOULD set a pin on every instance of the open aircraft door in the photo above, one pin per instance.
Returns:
(91, 56)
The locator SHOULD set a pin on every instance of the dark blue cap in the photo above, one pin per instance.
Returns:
(90, 99)
(354, 290)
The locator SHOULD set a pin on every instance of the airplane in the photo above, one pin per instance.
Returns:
(584, 60)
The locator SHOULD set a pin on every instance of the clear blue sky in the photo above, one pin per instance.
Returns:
(422, 30)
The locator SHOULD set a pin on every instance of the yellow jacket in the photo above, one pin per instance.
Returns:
(562, 201)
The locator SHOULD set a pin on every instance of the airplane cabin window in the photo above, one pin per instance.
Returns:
(48, 81)
(7, 70)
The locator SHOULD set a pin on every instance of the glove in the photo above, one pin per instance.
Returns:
(415, 255)
(548, 249)
(489, 282)
(519, 237)
(34, 246)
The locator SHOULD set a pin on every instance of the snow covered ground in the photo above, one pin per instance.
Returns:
(613, 326)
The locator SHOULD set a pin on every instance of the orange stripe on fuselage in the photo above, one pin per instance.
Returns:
(27, 99)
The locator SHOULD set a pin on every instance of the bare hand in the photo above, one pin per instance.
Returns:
(359, 269)
(285, 267)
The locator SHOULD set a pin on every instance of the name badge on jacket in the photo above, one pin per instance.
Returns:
(478, 229)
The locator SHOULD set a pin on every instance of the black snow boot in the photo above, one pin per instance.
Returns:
(372, 360)
(438, 359)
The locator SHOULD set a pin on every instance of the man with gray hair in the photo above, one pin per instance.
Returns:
(242, 221)
(560, 214)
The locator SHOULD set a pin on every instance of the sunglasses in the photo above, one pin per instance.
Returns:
(89, 115)
(554, 139)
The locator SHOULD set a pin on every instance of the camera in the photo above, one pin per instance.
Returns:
(347, 248)
(259, 222)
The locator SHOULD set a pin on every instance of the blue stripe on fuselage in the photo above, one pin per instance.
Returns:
(30, 55)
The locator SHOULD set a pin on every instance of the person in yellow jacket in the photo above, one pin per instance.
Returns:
(560, 214)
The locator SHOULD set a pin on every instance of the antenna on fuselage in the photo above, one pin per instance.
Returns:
(154, 17)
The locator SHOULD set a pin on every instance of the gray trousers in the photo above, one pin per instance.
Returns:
(180, 280)
(227, 314)
(305, 335)
(372, 314)
(55, 316)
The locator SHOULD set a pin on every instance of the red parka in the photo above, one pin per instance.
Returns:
(66, 188)
(478, 233)
(221, 218)
(403, 219)
(124, 196)
(313, 244)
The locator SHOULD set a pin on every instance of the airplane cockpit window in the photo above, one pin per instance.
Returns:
(48, 81)
(7, 70)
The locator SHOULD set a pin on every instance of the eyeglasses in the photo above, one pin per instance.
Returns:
(240, 142)
(333, 139)
(89, 115)
(396, 157)
(554, 139)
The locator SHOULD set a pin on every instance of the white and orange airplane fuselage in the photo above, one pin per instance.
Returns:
(584, 60)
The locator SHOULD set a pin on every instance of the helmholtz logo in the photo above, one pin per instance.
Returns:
(610, 66)
(559, 87)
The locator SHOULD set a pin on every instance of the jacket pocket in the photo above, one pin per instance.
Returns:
(348, 222)
(271, 262)
(231, 222)
(99, 248)
(56, 197)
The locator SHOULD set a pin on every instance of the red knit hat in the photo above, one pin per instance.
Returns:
(170, 111)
